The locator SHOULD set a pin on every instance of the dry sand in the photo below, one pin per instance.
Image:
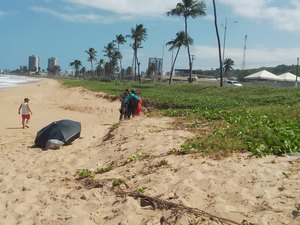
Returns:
(39, 187)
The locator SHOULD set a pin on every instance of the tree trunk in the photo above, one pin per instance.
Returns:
(219, 45)
(173, 65)
(135, 63)
(188, 49)
(92, 70)
(120, 63)
(139, 75)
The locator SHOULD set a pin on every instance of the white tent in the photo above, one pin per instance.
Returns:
(289, 77)
(263, 75)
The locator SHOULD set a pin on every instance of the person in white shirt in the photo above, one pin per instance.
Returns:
(24, 107)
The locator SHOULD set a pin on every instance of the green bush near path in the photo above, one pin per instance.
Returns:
(262, 120)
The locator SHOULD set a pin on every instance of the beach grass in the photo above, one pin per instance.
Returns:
(262, 120)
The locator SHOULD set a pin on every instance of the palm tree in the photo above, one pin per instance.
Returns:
(113, 55)
(179, 41)
(138, 34)
(219, 45)
(188, 8)
(120, 39)
(91, 56)
(82, 71)
(100, 66)
(76, 64)
(228, 65)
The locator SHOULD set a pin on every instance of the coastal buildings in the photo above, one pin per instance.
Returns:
(34, 63)
(155, 68)
(156, 64)
(53, 67)
(52, 62)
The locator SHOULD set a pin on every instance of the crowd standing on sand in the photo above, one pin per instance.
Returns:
(131, 104)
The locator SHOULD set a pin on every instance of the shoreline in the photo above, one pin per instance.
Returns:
(15, 81)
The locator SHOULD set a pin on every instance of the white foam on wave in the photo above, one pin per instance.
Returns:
(7, 80)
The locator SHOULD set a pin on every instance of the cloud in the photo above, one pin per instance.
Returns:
(2, 13)
(207, 56)
(103, 11)
(153, 8)
(283, 17)
(74, 17)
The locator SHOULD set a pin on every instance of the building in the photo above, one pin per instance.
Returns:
(52, 62)
(156, 64)
(23, 69)
(53, 67)
(198, 73)
(34, 63)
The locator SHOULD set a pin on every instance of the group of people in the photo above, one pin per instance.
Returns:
(131, 104)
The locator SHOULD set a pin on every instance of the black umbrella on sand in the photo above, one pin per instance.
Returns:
(62, 130)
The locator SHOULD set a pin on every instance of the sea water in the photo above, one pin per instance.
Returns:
(8, 80)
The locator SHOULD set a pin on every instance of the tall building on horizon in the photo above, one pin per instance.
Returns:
(158, 62)
(52, 62)
(34, 63)
(53, 67)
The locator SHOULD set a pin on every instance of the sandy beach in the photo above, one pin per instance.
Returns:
(40, 187)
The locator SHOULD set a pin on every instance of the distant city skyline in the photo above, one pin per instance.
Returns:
(66, 29)
(33, 63)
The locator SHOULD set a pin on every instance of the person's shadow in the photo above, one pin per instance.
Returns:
(13, 128)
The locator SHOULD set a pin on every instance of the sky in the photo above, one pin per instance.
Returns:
(65, 29)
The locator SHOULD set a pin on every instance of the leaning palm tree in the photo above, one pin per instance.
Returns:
(138, 34)
(188, 8)
(91, 56)
(179, 41)
(76, 64)
(219, 45)
(120, 39)
(228, 65)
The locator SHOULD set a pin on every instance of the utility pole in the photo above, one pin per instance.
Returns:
(224, 41)
(162, 60)
(244, 56)
(193, 58)
(296, 84)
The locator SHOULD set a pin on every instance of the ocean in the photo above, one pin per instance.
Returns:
(8, 80)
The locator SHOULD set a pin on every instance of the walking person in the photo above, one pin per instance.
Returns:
(24, 108)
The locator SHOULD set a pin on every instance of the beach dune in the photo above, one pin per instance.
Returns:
(40, 187)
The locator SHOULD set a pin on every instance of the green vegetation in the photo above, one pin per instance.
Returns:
(105, 169)
(262, 120)
(142, 190)
(85, 173)
(135, 157)
(163, 162)
(117, 182)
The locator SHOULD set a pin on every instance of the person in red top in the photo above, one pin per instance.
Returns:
(25, 112)
(139, 107)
